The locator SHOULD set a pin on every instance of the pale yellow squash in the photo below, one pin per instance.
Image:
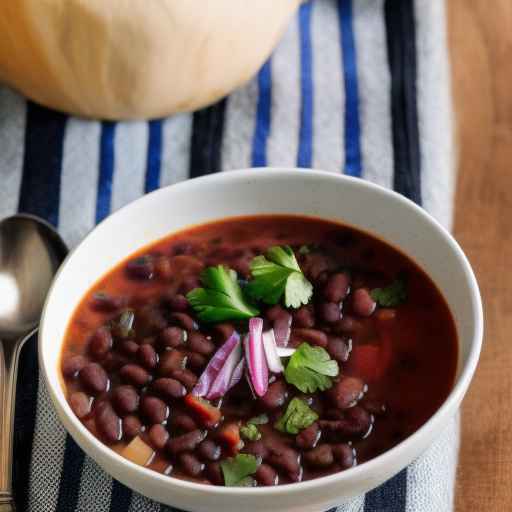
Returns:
(122, 59)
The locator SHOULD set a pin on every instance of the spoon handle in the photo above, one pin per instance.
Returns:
(9, 355)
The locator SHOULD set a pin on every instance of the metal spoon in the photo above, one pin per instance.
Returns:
(31, 251)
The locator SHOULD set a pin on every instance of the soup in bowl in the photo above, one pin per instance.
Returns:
(261, 333)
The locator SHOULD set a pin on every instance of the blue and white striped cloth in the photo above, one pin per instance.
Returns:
(355, 86)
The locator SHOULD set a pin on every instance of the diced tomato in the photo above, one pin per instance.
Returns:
(385, 314)
(204, 410)
(230, 435)
(371, 362)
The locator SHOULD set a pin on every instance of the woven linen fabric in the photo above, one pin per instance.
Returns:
(359, 87)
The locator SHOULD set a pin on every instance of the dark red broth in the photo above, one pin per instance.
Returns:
(397, 365)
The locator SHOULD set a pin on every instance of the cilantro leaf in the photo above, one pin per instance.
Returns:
(277, 274)
(237, 470)
(221, 298)
(250, 432)
(297, 417)
(304, 249)
(392, 295)
(311, 368)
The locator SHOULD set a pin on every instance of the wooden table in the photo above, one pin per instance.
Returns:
(480, 34)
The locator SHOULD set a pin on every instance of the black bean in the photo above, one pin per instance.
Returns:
(107, 422)
(94, 378)
(337, 287)
(347, 392)
(150, 320)
(147, 356)
(184, 320)
(339, 348)
(154, 409)
(142, 267)
(329, 312)
(266, 475)
(320, 457)
(185, 442)
(196, 361)
(107, 303)
(125, 399)
(274, 312)
(71, 365)
(128, 347)
(158, 436)
(362, 302)
(312, 336)
(134, 374)
(100, 343)
(168, 388)
(80, 403)
(344, 454)
(184, 422)
(186, 377)
(131, 426)
(178, 303)
(256, 448)
(360, 420)
(200, 344)
(308, 438)
(173, 337)
(373, 405)
(171, 360)
(114, 360)
(347, 325)
(223, 331)
(276, 395)
(214, 473)
(283, 456)
(209, 451)
(189, 283)
(304, 317)
(190, 464)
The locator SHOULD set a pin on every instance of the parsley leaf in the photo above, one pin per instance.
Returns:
(221, 298)
(392, 295)
(250, 432)
(297, 417)
(311, 368)
(277, 274)
(237, 470)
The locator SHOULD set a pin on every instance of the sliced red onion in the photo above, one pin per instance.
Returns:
(221, 383)
(282, 329)
(255, 355)
(269, 344)
(215, 365)
(285, 351)
(238, 373)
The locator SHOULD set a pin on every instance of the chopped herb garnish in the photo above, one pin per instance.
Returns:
(277, 274)
(304, 249)
(250, 432)
(311, 369)
(392, 295)
(237, 470)
(221, 298)
(262, 419)
(297, 417)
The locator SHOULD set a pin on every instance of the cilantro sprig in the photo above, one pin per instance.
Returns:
(276, 274)
(237, 470)
(392, 295)
(297, 417)
(250, 430)
(310, 369)
(221, 298)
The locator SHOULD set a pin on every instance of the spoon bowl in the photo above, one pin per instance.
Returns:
(31, 251)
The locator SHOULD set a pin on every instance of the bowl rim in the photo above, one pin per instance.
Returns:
(448, 407)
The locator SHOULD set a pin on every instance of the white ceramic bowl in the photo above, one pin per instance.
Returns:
(294, 191)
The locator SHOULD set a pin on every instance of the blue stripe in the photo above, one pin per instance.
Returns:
(121, 497)
(305, 153)
(352, 129)
(106, 172)
(69, 488)
(40, 184)
(154, 159)
(39, 195)
(262, 128)
(391, 496)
